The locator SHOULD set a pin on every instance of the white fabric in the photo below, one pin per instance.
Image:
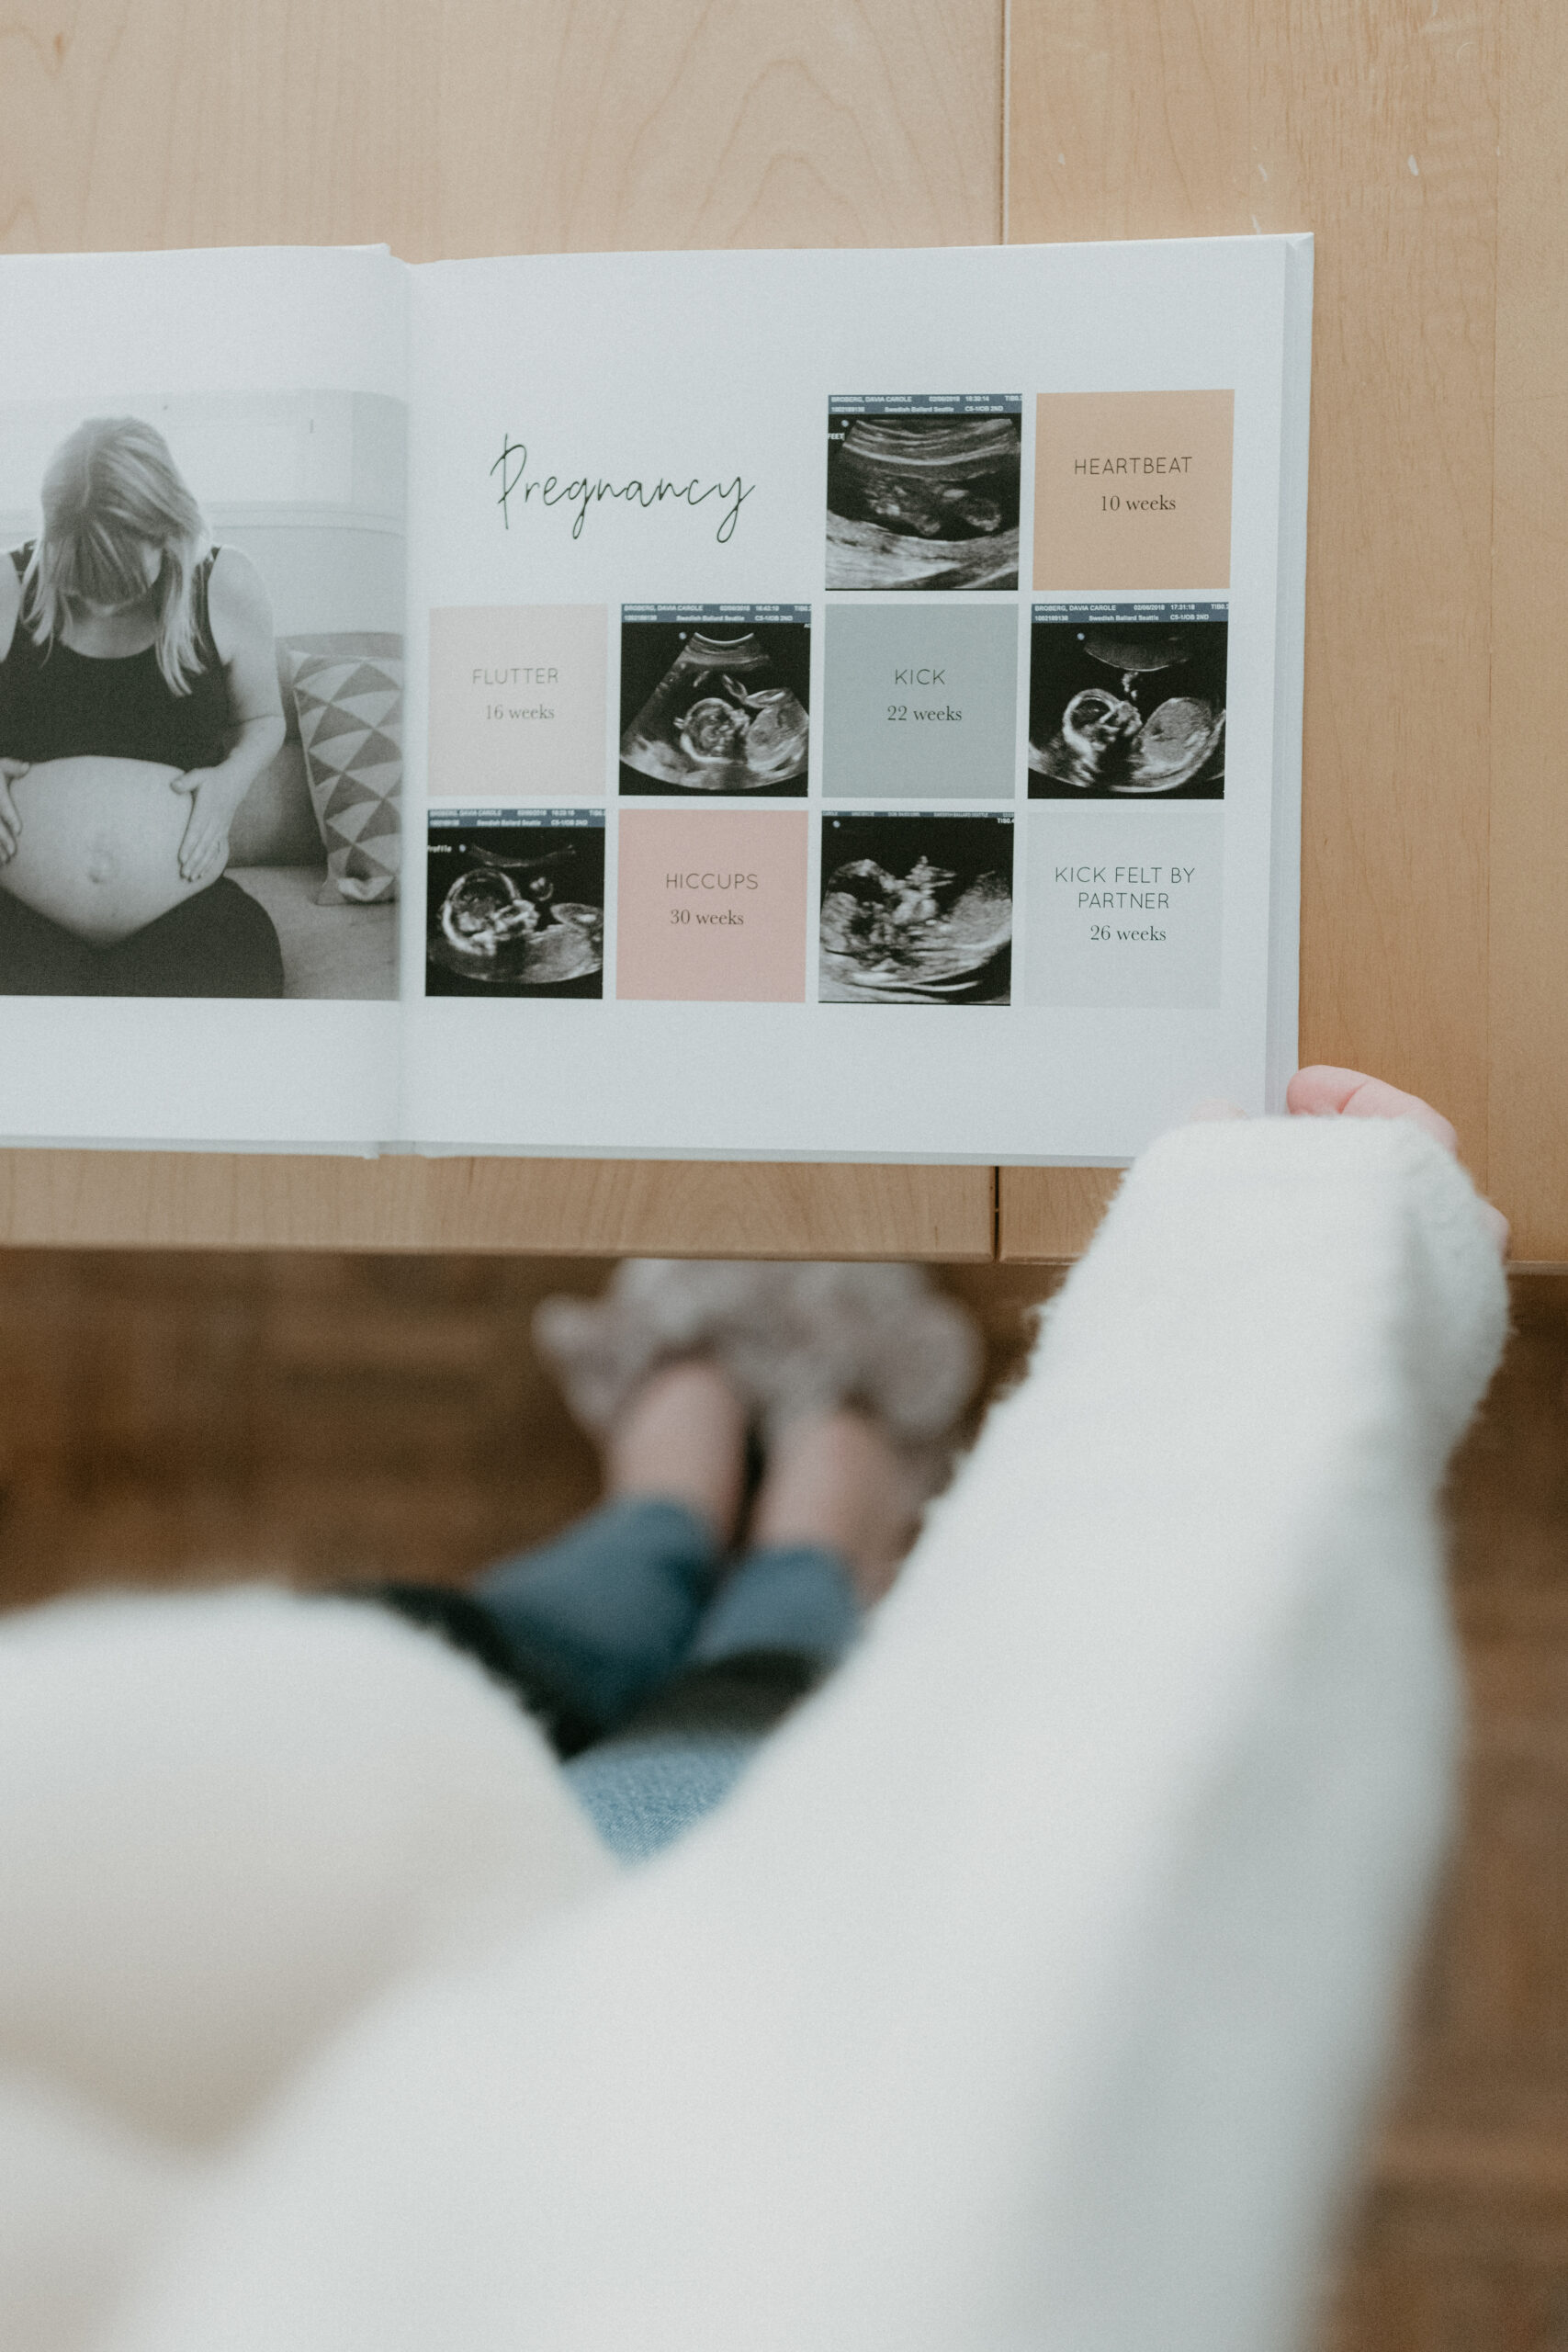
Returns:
(1030, 1991)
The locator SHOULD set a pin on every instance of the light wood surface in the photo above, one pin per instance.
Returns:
(478, 127)
(1529, 993)
(560, 1207)
(453, 127)
(1050, 1213)
(1427, 147)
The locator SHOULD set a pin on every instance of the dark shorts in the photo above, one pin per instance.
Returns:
(218, 943)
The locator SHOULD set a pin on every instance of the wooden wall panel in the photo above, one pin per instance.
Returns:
(1378, 130)
(449, 127)
(1528, 1161)
(1051, 1214)
(107, 1200)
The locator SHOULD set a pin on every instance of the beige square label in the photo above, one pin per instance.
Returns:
(1133, 489)
(517, 702)
(712, 906)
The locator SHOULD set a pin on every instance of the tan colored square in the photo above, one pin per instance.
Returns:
(712, 906)
(1133, 489)
(517, 702)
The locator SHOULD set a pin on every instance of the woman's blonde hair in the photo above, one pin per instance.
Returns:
(111, 491)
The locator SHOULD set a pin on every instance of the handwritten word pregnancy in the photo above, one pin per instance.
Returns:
(580, 493)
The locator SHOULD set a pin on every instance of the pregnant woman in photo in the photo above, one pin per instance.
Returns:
(138, 700)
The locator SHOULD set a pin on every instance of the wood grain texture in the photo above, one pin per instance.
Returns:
(601, 1209)
(1461, 2245)
(1378, 130)
(1051, 1214)
(468, 127)
(1528, 1165)
(187, 1415)
(453, 127)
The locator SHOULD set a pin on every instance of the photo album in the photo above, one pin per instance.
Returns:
(737, 704)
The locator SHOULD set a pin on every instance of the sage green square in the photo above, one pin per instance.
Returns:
(921, 702)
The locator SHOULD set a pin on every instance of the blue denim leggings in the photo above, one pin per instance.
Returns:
(657, 1680)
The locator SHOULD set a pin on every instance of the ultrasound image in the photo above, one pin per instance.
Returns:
(916, 909)
(928, 500)
(716, 708)
(515, 910)
(1127, 709)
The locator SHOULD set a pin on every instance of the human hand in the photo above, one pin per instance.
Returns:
(1322, 1092)
(10, 823)
(204, 845)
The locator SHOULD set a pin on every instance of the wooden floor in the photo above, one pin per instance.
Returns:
(310, 1416)
(1461, 2244)
(322, 1416)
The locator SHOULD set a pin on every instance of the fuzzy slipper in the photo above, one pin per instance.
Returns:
(793, 1338)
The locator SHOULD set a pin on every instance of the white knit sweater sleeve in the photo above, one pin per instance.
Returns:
(1032, 1988)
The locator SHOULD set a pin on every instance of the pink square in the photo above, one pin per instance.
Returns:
(712, 906)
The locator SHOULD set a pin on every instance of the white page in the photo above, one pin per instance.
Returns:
(276, 380)
(715, 373)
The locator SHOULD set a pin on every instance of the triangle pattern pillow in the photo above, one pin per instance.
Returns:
(350, 709)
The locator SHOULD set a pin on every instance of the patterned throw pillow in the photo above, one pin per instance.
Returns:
(350, 724)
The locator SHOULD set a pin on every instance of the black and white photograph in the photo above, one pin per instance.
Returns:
(515, 903)
(715, 699)
(201, 605)
(917, 909)
(1127, 703)
(923, 491)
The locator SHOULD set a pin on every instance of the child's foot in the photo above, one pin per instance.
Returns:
(681, 1438)
(836, 1481)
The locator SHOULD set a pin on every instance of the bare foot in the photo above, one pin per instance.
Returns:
(683, 1439)
(834, 1479)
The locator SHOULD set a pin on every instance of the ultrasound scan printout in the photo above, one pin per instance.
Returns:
(1127, 702)
(516, 903)
(923, 492)
(917, 909)
(714, 699)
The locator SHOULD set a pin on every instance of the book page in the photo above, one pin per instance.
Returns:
(202, 587)
(844, 698)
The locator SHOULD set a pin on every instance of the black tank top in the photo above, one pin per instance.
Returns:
(56, 703)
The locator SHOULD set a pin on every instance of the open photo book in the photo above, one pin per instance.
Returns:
(784, 705)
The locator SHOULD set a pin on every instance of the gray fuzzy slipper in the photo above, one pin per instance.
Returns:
(793, 1338)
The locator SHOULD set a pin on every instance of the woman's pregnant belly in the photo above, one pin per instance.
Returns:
(100, 845)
